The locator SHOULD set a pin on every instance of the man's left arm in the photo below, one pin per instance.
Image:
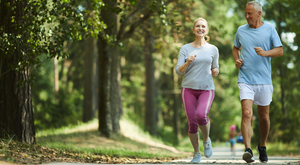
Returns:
(275, 52)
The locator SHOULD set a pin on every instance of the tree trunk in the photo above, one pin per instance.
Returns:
(109, 70)
(110, 104)
(16, 117)
(90, 80)
(115, 89)
(104, 87)
(150, 112)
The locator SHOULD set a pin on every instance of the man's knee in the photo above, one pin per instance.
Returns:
(264, 117)
(247, 113)
(263, 113)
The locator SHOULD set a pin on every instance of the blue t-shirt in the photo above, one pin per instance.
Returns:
(256, 69)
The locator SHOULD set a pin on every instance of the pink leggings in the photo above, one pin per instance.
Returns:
(196, 104)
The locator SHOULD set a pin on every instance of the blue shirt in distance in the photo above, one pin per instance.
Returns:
(256, 69)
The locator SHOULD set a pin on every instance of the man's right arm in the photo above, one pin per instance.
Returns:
(236, 56)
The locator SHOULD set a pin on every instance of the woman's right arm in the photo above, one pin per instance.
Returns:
(182, 68)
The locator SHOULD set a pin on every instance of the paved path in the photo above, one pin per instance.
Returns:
(222, 155)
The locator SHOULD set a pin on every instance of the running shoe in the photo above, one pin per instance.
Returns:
(208, 151)
(262, 151)
(196, 157)
(248, 156)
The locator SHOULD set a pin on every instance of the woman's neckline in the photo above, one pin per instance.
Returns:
(197, 45)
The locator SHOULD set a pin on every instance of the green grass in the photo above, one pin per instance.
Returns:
(123, 152)
(64, 139)
(279, 148)
(91, 142)
(63, 130)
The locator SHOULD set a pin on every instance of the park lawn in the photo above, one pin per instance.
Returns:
(283, 149)
(84, 144)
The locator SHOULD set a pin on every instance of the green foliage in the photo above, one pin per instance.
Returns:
(51, 111)
(43, 29)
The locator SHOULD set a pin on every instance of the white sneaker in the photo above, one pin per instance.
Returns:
(196, 157)
(248, 156)
(208, 151)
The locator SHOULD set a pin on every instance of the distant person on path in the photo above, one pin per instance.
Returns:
(232, 138)
(198, 61)
(255, 44)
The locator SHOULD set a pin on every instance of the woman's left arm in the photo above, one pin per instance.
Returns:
(215, 64)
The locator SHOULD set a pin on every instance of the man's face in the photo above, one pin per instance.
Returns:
(251, 15)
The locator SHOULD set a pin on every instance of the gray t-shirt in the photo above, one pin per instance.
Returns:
(198, 74)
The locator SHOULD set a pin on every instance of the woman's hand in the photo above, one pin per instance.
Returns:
(190, 59)
(215, 72)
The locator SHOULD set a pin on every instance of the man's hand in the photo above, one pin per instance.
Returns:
(260, 51)
(215, 72)
(239, 63)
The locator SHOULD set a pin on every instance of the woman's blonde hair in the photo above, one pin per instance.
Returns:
(202, 19)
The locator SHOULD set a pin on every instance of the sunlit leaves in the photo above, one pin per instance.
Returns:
(44, 26)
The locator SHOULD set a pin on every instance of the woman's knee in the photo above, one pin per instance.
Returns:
(193, 128)
(203, 121)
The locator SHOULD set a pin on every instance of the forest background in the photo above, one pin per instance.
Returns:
(140, 83)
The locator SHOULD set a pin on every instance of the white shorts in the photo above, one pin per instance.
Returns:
(261, 94)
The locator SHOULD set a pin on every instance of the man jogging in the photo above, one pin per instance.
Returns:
(254, 45)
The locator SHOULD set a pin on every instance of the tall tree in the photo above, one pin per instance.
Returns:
(150, 110)
(90, 75)
(132, 14)
(90, 102)
(15, 93)
(28, 29)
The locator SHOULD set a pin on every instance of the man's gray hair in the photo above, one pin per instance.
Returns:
(256, 5)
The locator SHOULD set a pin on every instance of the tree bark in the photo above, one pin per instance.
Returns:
(150, 112)
(90, 80)
(106, 53)
(104, 87)
(16, 117)
(115, 90)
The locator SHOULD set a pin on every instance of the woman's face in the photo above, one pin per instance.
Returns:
(200, 28)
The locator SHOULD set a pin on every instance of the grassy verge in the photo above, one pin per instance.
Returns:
(84, 144)
(283, 149)
(86, 139)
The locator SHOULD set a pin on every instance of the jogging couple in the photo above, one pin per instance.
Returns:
(255, 44)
